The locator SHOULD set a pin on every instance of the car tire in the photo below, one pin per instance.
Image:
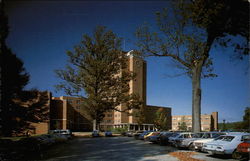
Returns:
(236, 155)
(191, 147)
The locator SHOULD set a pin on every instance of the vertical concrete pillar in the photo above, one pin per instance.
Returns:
(64, 115)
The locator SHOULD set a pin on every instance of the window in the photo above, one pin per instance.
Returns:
(70, 101)
(109, 115)
(78, 102)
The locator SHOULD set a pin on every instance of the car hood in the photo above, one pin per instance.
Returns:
(203, 140)
(218, 142)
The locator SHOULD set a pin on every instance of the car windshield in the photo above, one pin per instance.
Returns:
(215, 135)
(185, 136)
(225, 138)
(198, 135)
(175, 134)
(246, 137)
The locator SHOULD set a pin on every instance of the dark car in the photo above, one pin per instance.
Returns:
(137, 134)
(130, 133)
(163, 139)
(141, 136)
(108, 133)
(95, 133)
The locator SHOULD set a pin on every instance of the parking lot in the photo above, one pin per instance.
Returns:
(118, 148)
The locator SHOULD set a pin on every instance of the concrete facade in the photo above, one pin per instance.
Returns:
(209, 122)
(114, 119)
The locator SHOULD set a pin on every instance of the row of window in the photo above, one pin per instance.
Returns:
(189, 123)
(71, 101)
(110, 115)
(189, 118)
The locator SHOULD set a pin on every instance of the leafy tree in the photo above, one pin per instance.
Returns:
(182, 125)
(186, 35)
(161, 121)
(246, 119)
(140, 115)
(99, 70)
(221, 19)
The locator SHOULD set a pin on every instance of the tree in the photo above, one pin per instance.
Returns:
(182, 126)
(187, 39)
(99, 70)
(221, 19)
(161, 121)
(246, 119)
(18, 108)
(13, 79)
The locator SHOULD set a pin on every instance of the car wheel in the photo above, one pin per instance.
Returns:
(191, 147)
(236, 155)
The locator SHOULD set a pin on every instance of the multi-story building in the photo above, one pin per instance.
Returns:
(66, 112)
(209, 122)
(137, 86)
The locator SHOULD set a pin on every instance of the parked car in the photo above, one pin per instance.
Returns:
(95, 133)
(178, 140)
(175, 140)
(153, 137)
(186, 140)
(225, 144)
(243, 150)
(163, 138)
(146, 137)
(137, 133)
(130, 133)
(65, 132)
(141, 136)
(207, 137)
(172, 137)
(108, 133)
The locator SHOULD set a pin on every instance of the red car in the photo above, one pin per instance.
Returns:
(243, 150)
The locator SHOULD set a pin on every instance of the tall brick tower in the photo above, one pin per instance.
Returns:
(138, 85)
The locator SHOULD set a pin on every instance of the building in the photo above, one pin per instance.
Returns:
(66, 112)
(138, 86)
(209, 122)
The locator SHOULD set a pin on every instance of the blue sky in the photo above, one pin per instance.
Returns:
(42, 31)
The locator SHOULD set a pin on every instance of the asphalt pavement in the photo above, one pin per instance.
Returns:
(115, 149)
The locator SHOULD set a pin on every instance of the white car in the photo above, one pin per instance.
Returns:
(207, 137)
(225, 144)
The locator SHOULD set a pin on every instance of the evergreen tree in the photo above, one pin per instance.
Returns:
(18, 108)
(13, 79)
(99, 70)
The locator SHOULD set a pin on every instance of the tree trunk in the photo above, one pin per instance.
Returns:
(196, 97)
(94, 125)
